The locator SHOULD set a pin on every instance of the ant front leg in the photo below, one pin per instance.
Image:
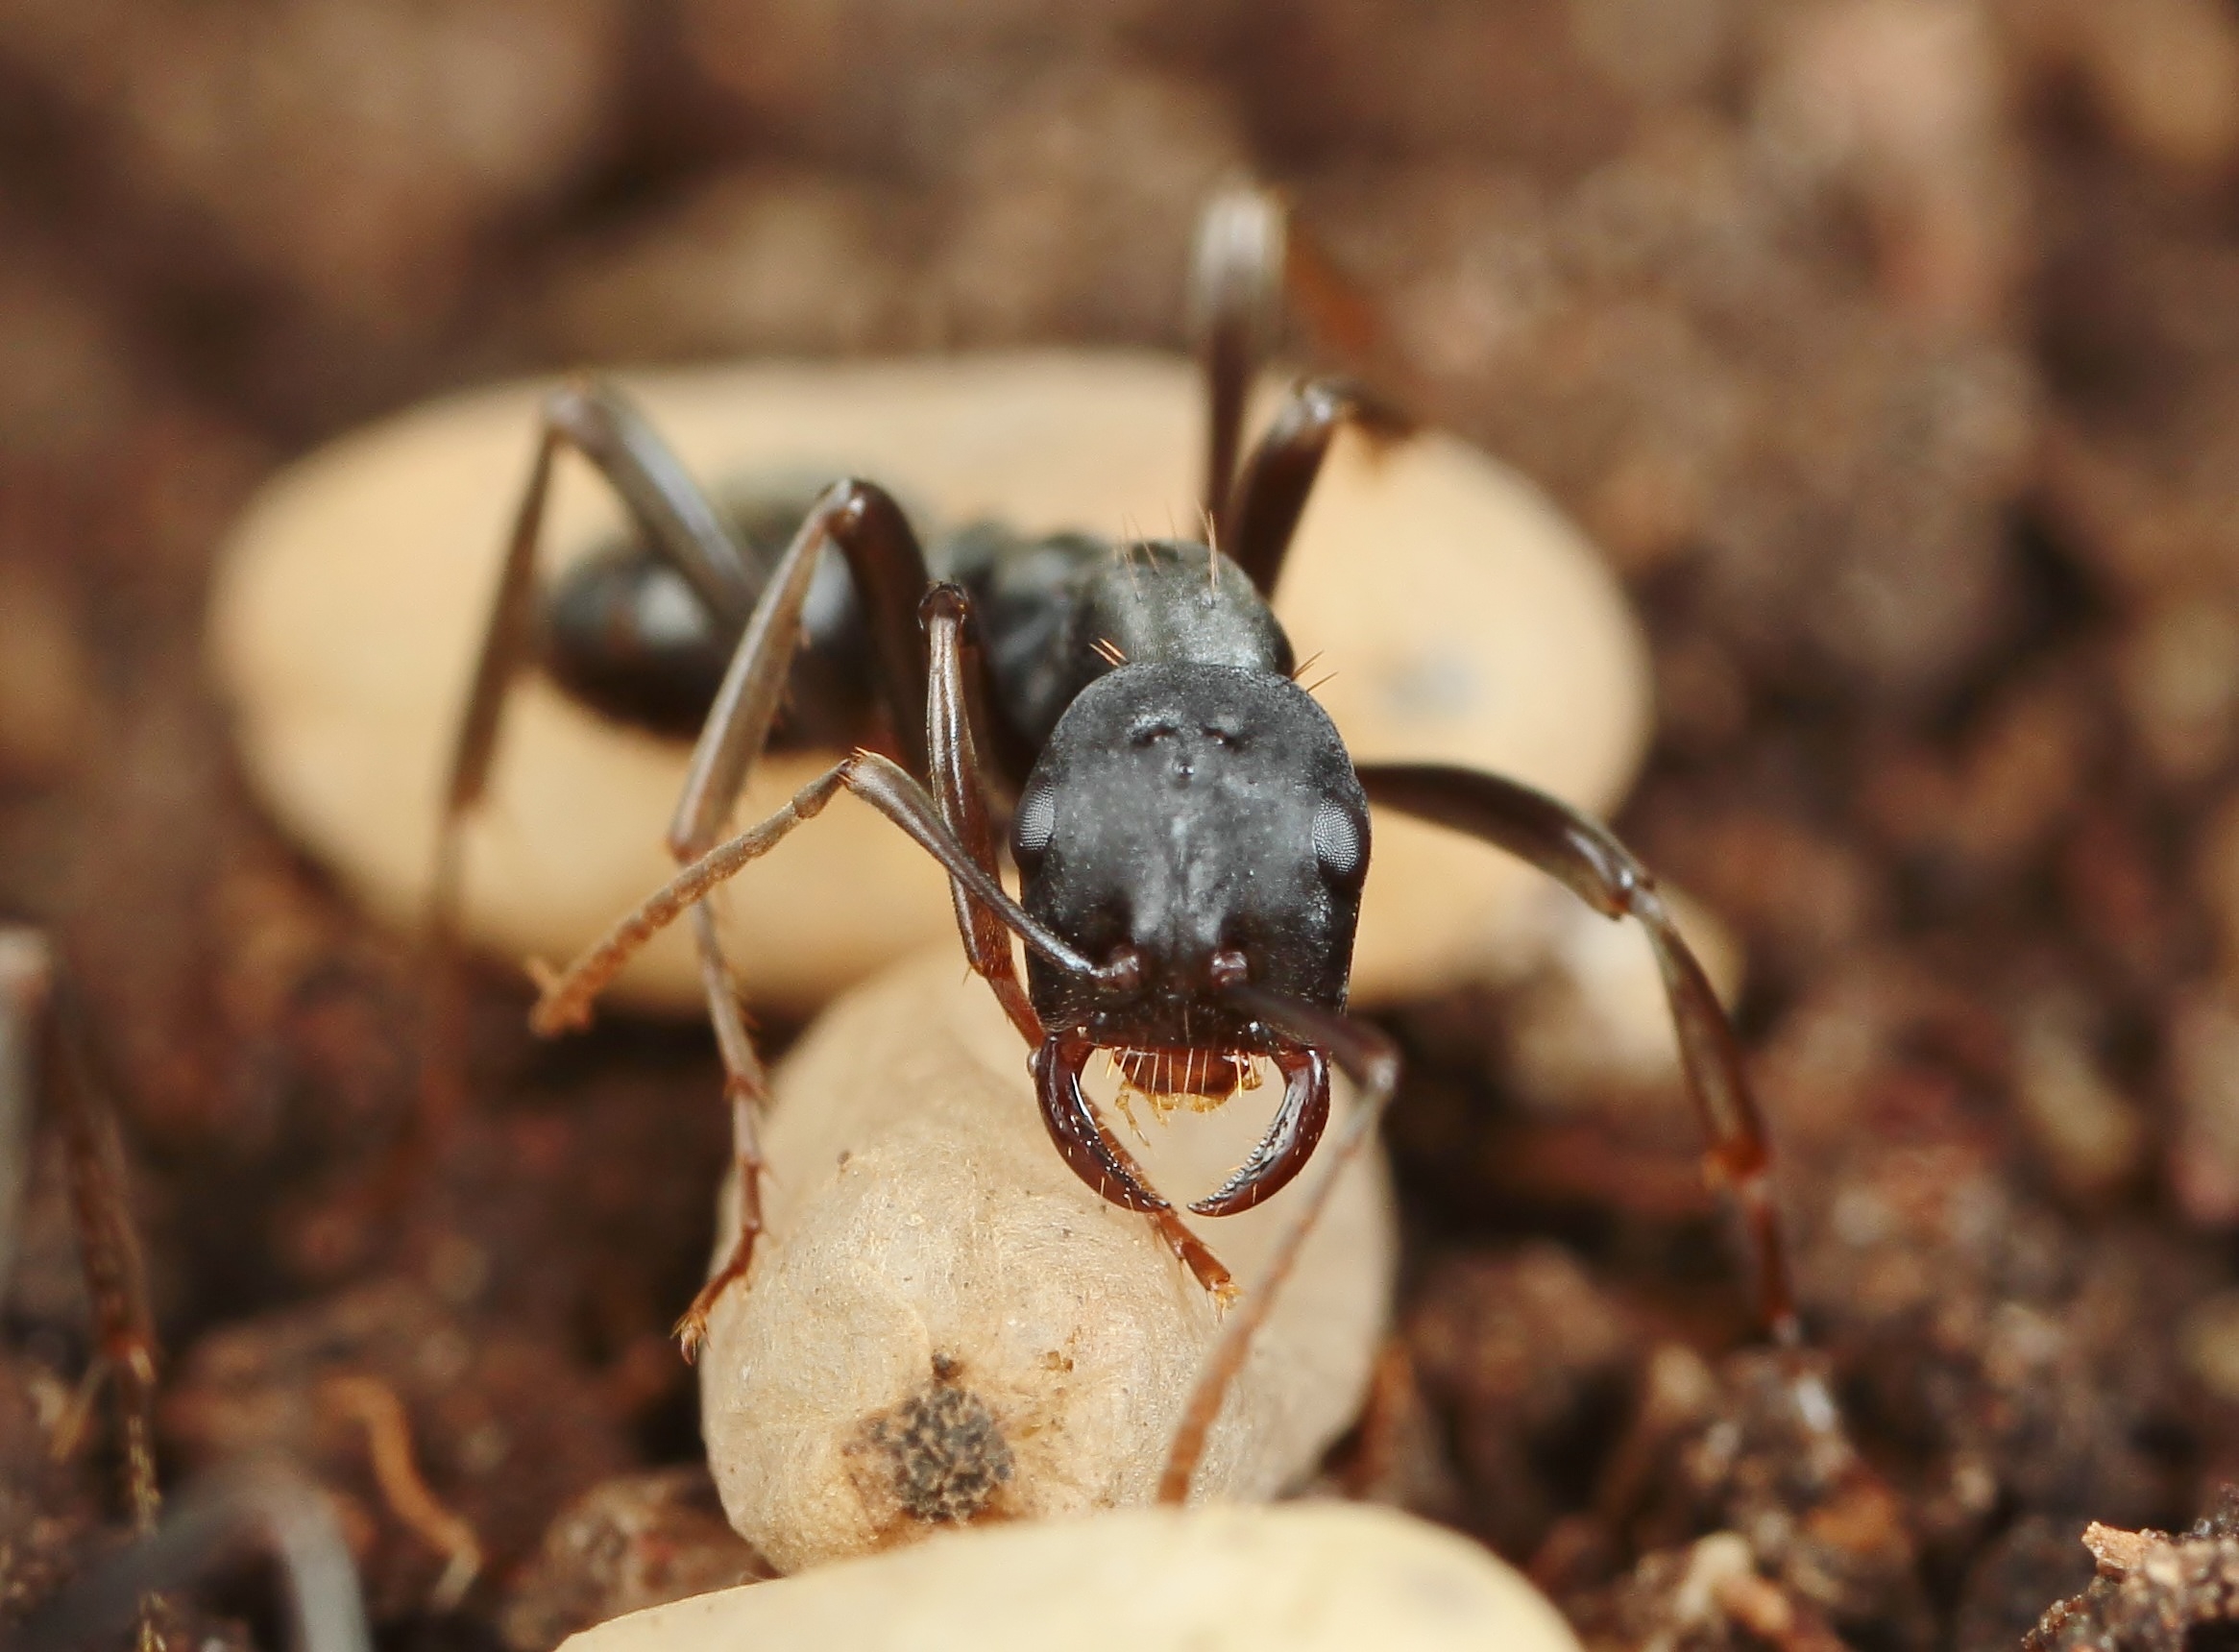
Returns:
(1583, 856)
(567, 995)
(869, 530)
(958, 790)
(957, 787)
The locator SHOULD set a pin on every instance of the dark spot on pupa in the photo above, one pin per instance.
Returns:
(943, 1449)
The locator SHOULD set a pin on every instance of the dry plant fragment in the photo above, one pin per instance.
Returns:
(2156, 1591)
(396, 1468)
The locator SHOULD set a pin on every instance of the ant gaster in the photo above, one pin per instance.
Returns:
(1190, 834)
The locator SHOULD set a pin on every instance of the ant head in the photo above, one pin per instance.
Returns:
(1206, 822)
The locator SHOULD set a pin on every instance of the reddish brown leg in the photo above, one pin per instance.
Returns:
(744, 1085)
(1368, 1058)
(1583, 856)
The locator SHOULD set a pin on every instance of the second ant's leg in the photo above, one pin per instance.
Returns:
(1583, 856)
(44, 1047)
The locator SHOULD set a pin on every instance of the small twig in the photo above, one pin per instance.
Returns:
(388, 1432)
(108, 1246)
(125, 1353)
(26, 979)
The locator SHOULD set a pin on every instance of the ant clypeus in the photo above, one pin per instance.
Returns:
(1190, 834)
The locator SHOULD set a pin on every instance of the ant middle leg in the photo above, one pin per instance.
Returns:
(871, 532)
(1583, 856)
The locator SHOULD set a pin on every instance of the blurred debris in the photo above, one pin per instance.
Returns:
(2154, 1591)
(750, 263)
(1529, 1365)
(636, 1542)
(445, 1443)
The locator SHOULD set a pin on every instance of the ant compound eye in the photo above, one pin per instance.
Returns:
(1340, 844)
(1035, 824)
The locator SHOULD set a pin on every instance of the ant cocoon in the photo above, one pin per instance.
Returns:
(1301, 1577)
(944, 1323)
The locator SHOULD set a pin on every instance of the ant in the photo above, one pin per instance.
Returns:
(1190, 835)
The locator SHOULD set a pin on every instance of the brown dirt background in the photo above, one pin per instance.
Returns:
(1888, 346)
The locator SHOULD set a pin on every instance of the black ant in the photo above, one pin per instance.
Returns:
(1190, 834)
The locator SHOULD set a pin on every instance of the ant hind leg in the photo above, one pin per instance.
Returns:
(1584, 857)
(682, 527)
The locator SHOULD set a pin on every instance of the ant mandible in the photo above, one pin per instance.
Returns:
(1190, 834)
